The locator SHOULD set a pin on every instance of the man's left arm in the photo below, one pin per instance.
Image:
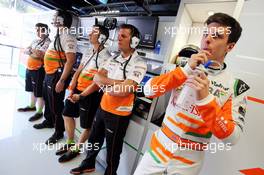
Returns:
(123, 89)
(225, 122)
(102, 80)
(39, 52)
(134, 77)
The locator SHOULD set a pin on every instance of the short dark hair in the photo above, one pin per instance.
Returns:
(67, 17)
(133, 30)
(103, 30)
(43, 27)
(227, 21)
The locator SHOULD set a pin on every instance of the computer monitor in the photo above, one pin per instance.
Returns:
(147, 27)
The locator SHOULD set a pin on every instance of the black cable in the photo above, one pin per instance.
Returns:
(124, 72)
(42, 42)
(124, 69)
(88, 61)
(126, 63)
(96, 58)
(59, 48)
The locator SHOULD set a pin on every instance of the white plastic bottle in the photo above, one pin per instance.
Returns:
(188, 95)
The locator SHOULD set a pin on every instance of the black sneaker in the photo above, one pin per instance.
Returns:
(35, 117)
(42, 125)
(54, 138)
(64, 149)
(26, 109)
(68, 156)
(82, 169)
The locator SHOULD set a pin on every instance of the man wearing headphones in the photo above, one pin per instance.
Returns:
(35, 72)
(118, 77)
(58, 62)
(84, 105)
(208, 105)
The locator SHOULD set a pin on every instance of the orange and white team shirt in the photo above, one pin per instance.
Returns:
(91, 61)
(221, 113)
(135, 70)
(53, 59)
(33, 62)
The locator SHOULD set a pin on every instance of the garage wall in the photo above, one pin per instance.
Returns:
(246, 62)
(165, 23)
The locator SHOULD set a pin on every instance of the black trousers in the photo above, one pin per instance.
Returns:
(113, 128)
(34, 81)
(54, 102)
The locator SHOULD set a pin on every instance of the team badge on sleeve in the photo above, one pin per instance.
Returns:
(240, 87)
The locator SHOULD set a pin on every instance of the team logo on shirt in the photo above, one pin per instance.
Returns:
(217, 92)
(140, 67)
(218, 89)
(219, 85)
(137, 74)
(242, 110)
(71, 46)
(240, 87)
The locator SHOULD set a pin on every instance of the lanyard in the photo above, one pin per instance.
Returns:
(96, 59)
(42, 42)
(126, 63)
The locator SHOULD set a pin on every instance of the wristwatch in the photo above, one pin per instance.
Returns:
(81, 97)
(61, 80)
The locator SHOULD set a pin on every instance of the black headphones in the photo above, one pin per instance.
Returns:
(135, 37)
(104, 34)
(67, 17)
